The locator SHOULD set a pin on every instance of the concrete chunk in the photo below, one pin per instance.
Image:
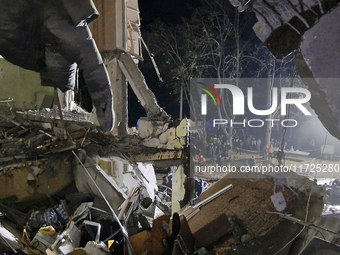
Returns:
(153, 142)
(181, 129)
(145, 128)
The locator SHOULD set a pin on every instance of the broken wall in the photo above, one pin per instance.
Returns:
(106, 27)
(30, 180)
(14, 82)
(165, 135)
(318, 64)
(127, 177)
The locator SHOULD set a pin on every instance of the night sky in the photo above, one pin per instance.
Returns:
(170, 12)
(164, 10)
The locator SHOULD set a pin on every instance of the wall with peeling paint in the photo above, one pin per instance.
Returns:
(22, 85)
(17, 180)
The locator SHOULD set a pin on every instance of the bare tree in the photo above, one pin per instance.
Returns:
(209, 44)
(218, 42)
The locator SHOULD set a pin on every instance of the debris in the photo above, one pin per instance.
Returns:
(88, 225)
(185, 241)
(41, 241)
(123, 230)
(37, 158)
(82, 212)
(94, 248)
(237, 227)
(55, 217)
(213, 196)
(191, 211)
(49, 230)
(235, 222)
(212, 231)
(141, 241)
(166, 236)
(307, 224)
(320, 246)
(161, 134)
(124, 205)
(279, 201)
(8, 239)
(68, 240)
(49, 252)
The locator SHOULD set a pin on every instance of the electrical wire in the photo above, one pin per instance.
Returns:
(323, 149)
(282, 148)
(303, 228)
(123, 229)
(288, 115)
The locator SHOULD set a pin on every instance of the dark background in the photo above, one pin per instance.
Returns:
(170, 12)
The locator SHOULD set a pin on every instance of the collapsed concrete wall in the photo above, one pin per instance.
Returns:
(318, 64)
(281, 24)
(165, 135)
(312, 26)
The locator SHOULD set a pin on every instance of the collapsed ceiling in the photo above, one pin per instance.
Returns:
(311, 27)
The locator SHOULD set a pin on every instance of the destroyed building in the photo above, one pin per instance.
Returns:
(82, 182)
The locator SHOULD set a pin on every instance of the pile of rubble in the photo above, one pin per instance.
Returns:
(64, 182)
(67, 188)
(42, 133)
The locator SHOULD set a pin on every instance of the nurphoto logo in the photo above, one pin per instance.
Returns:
(233, 96)
(238, 99)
